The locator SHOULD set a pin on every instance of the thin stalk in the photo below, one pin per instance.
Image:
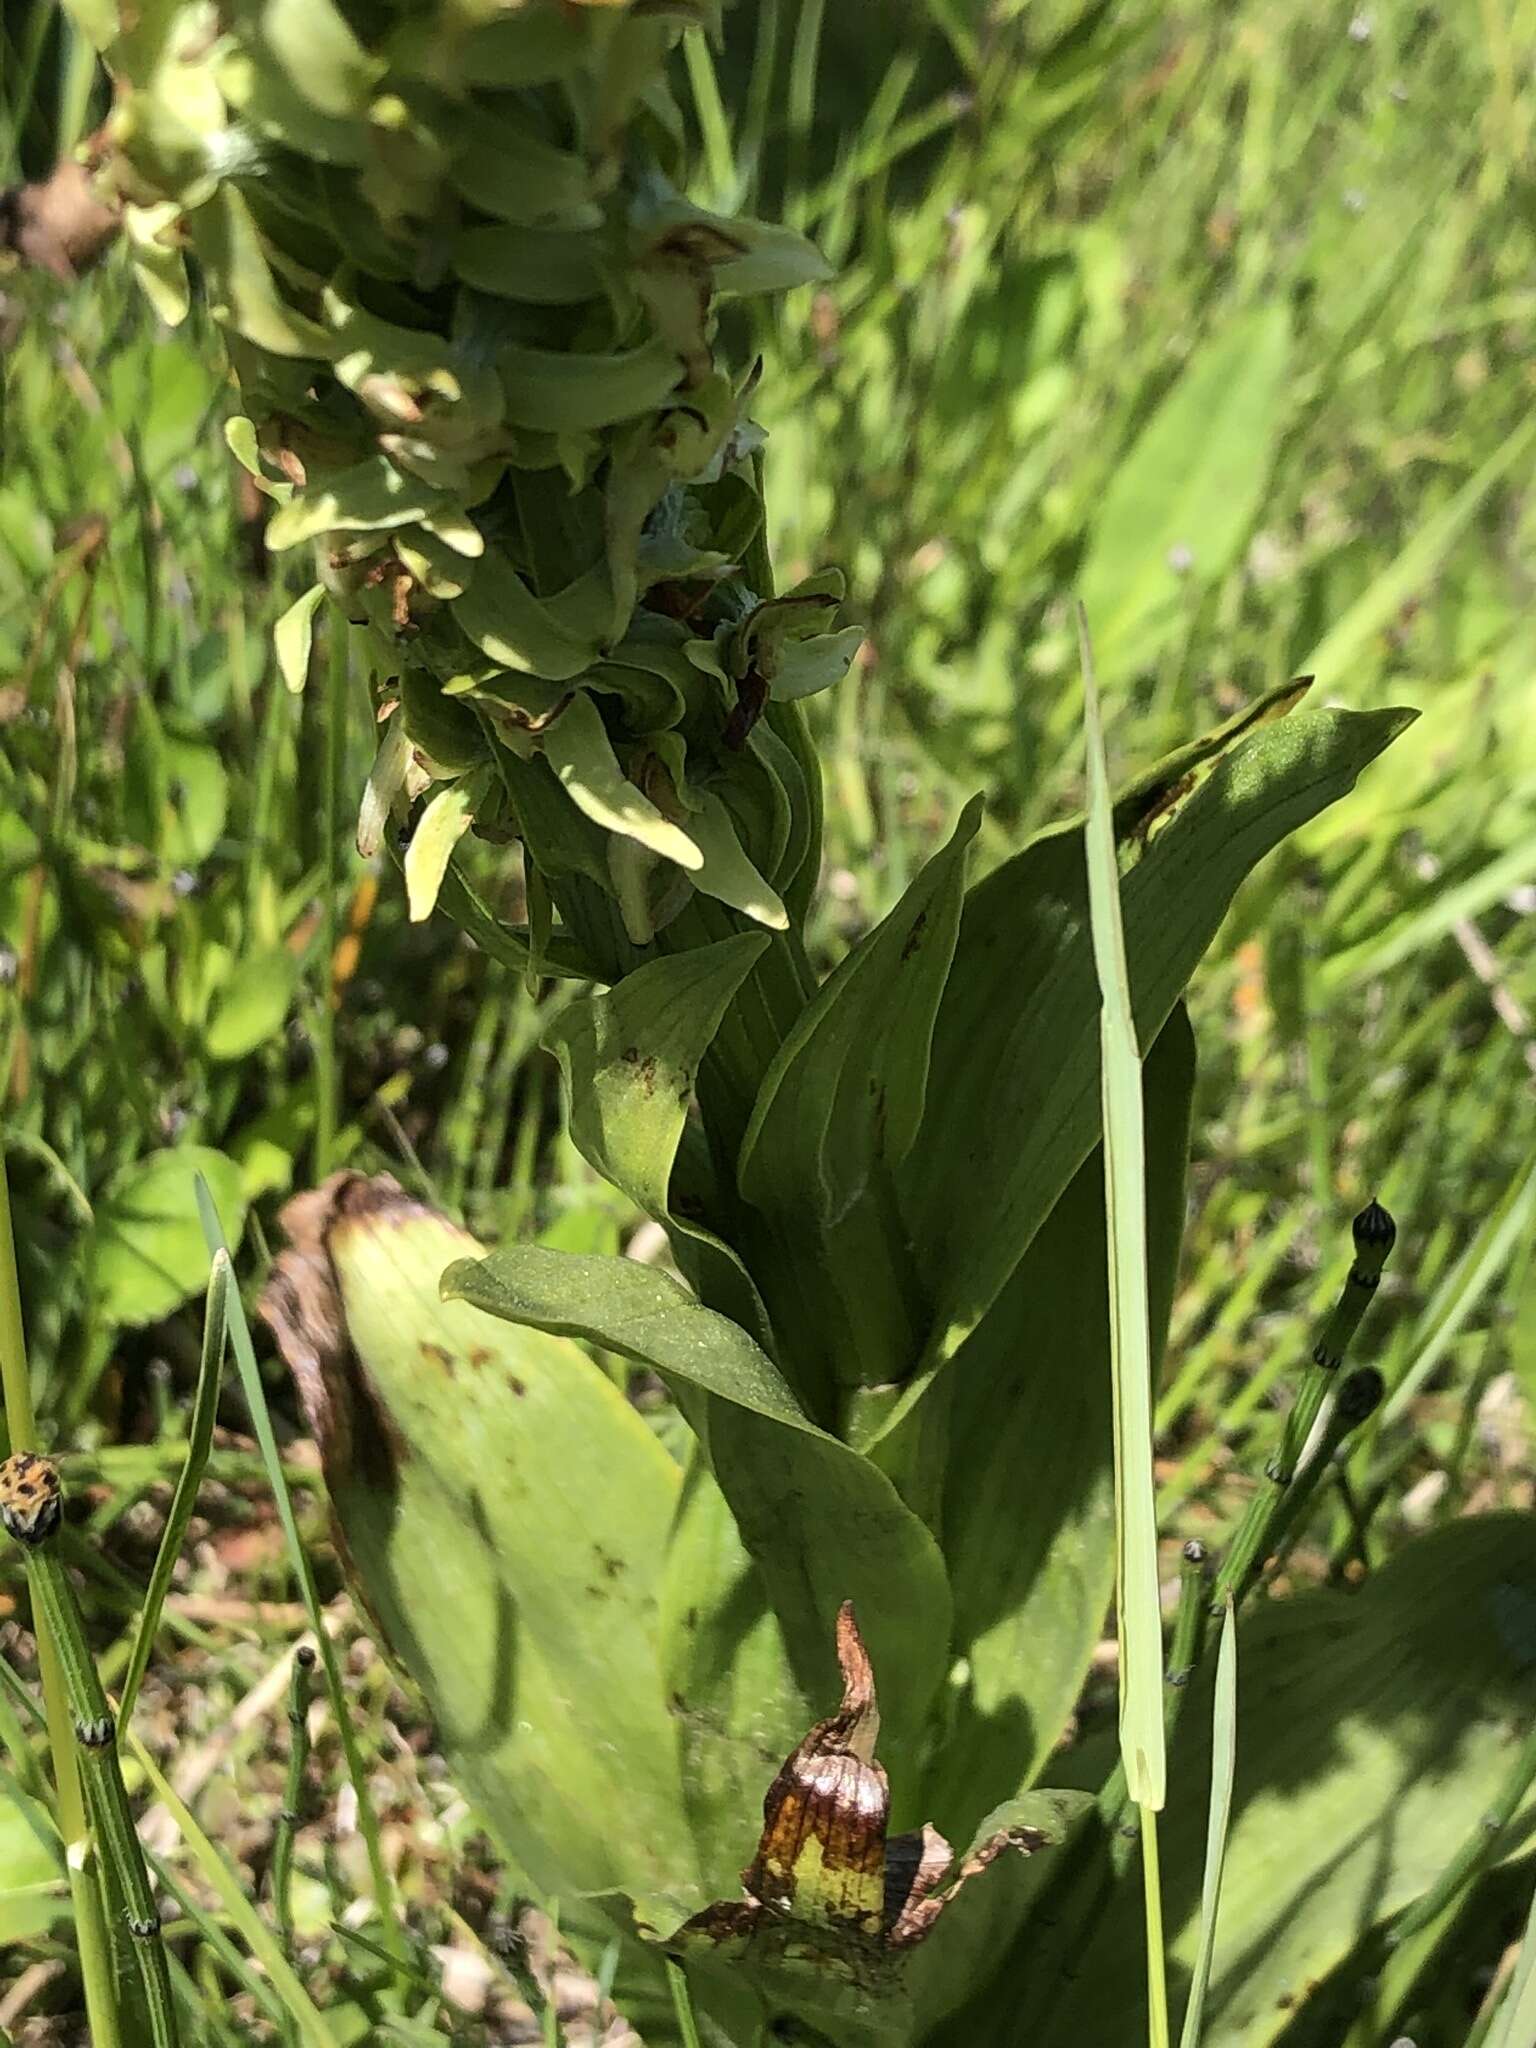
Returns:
(31, 1507)
(199, 1443)
(92, 1943)
(1358, 1399)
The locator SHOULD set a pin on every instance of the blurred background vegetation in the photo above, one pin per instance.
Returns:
(1218, 316)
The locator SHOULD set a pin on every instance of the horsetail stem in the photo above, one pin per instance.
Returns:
(1374, 1234)
(31, 1509)
(293, 1791)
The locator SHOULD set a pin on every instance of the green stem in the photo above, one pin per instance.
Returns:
(1374, 1234)
(90, 1919)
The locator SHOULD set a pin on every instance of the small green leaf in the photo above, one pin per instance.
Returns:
(371, 497)
(726, 873)
(635, 1310)
(442, 825)
(293, 636)
(250, 1008)
(555, 638)
(577, 747)
(146, 1249)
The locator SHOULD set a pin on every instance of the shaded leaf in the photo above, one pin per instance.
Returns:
(847, 1087)
(251, 1007)
(1028, 1514)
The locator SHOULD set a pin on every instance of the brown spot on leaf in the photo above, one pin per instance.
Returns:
(915, 936)
(437, 1354)
(517, 1386)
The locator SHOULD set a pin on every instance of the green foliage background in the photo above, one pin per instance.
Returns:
(1218, 317)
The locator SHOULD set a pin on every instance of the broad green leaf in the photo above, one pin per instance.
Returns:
(293, 636)
(1373, 1729)
(821, 1522)
(1138, 1612)
(250, 1008)
(505, 1512)
(1028, 1515)
(579, 750)
(846, 1090)
(630, 1057)
(1188, 488)
(1013, 1109)
(145, 1251)
(636, 1310)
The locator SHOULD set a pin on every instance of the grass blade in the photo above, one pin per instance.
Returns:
(256, 1401)
(1137, 1602)
(1223, 1766)
(205, 1407)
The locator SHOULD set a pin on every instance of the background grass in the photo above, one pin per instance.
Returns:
(1221, 317)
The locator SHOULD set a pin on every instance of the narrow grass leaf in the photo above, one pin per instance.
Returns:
(1223, 1768)
(261, 1421)
(1139, 1612)
(205, 1406)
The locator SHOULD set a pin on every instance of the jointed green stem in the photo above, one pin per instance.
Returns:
(96, 1736)
(1374, 1234)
